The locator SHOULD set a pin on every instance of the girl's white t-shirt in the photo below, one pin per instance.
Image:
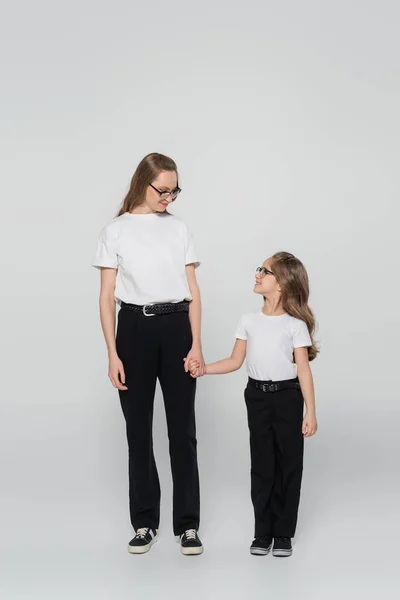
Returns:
(270, 344)
(150, 252)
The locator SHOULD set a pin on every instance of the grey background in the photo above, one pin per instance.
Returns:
(283, 118)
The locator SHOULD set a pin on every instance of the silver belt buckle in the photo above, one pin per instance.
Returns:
(144, 310)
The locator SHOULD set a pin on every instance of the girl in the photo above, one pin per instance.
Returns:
(147, 260)
(278, 343)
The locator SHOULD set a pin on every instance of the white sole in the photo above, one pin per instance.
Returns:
(192, 551)
(260, 551)
(282, 553)
(142, 549)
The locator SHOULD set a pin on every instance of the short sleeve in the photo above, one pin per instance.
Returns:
(241, 332)
(300, 333)
(107, 247)
(190, 250)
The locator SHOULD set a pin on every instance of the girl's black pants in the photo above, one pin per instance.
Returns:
(276, 449)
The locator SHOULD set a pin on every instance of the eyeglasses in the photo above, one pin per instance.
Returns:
(164, 195)
(262, 272)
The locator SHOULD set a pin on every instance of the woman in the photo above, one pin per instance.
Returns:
(147, 260)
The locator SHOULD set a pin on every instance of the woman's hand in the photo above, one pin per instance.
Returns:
(115, 369)
(197, 355)
(193, 366)
(310, 425)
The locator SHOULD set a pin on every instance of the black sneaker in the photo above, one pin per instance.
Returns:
(261, 545)
(143, 540)
(282, 546)
(190, 542)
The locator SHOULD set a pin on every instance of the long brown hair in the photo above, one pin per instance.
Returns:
(147, 171)
(293, 279)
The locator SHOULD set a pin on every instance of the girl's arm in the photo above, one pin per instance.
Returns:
(196, 352)
(228, 365)
(107, 317)
(304, 374)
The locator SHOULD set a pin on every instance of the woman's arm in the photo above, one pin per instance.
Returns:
(196, 352)
(304, 374)
(107, 317)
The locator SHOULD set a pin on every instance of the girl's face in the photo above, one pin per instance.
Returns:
(162, 191)
(266, 283)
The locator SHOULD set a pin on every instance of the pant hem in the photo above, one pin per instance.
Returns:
(140, 526)
(178, 532)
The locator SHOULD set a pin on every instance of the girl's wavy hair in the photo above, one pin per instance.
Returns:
(146, 172)
(292, 277)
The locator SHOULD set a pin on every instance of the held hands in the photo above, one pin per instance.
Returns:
(194, 368)
(194, 362)
(310, 425)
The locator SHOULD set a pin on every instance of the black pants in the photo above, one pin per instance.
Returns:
(276, 448)
(150, 348)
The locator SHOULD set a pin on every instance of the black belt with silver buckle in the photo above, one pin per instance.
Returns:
(274, 386)
(151, 310)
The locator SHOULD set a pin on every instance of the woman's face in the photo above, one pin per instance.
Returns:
(266, 283)
(167, 181)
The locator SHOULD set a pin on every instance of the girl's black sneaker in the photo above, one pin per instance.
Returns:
(143, 540)
(261, 545)
(282, 546)
(190, 542)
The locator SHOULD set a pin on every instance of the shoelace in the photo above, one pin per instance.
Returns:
(142, 532)
(282, 540)
(190, 534)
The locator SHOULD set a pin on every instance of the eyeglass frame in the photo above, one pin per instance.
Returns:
(177, 190)
(264, 271)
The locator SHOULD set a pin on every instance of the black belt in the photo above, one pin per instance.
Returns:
(274, 386)
(151, 310)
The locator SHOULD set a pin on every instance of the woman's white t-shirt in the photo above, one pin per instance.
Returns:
(150, 252)
(270, 344)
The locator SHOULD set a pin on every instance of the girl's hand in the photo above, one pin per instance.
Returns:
(194, 368)
(115, 369)
(310, 425)
(195, 354)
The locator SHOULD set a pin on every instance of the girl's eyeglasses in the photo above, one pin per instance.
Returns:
(262, 271)
(164, 195)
